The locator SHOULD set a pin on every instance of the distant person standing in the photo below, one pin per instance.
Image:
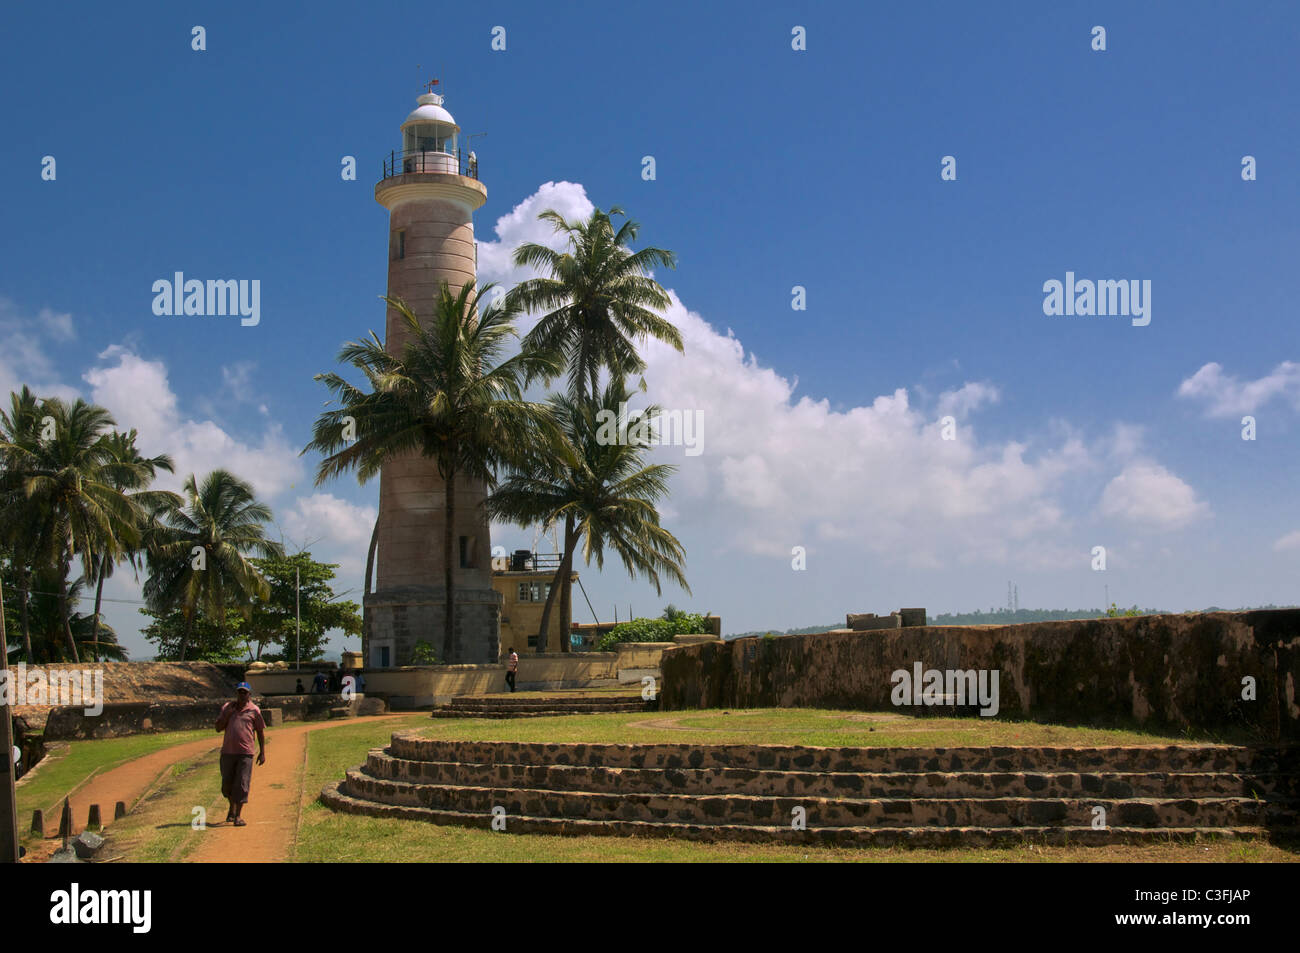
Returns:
(318, 684)
(360, 683)
(299, 689)
(240, 720)
(512, 668)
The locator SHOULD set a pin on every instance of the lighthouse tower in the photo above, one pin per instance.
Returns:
(431, 190)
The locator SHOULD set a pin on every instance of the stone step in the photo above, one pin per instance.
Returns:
(527, 713)
(828, 812)
(507, 702)
(1129, 759)
(382, 764)
(335, 797)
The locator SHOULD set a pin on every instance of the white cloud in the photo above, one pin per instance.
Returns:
(1148, 494)
(1289, 541)
(778, 471)
(1225, 395)
(23, 359)
(333, 529)
(967, 399)
(57, 325)
(138, 393)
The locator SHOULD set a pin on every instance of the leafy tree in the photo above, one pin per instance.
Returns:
(200, 638)
(447, 396)
(273, 622)
(200, 558)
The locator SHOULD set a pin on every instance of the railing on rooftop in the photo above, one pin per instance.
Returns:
(444, 163)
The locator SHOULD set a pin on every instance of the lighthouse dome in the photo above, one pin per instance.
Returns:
(430, 110)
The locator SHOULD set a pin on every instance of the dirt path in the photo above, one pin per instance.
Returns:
(273, 805)
(272, 812)
(127, 782)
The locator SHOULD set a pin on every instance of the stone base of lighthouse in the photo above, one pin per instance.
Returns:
(397, 619)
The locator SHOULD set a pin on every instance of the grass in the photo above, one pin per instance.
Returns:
(793, 726)
(329, 837)
(159, 829)
(46, 786)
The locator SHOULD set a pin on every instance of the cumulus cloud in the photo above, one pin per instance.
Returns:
(327, 524)
(1226, 395)
(138, 393)
(1149, 495)
(778, 471)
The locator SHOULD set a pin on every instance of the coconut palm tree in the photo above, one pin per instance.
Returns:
(70, 482)
(199, 556)
(600, 303)
(132, 474)
(601, 490)
(19, 519)
(598, 297)
(447, 396)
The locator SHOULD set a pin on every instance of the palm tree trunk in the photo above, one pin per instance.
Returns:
(542, 632)
(185, 633)
(566, 584)
(448, 550)
(99, 596)
(25, 580)
(370, 569)
(66, 612)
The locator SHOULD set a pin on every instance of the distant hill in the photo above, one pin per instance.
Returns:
(994, 617)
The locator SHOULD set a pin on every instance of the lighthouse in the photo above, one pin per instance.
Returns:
(431, 191)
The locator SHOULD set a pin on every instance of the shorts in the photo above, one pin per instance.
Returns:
(236, 777)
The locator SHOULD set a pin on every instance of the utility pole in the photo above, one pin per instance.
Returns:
(297, 608)
(8, 800)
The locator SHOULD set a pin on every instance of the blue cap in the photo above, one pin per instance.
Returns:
(244, 687)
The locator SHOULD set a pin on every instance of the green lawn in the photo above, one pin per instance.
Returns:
(57, 776)
(793, 726)
(326, 836)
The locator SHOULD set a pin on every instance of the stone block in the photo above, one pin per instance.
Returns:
(86, 844)
(867, 621)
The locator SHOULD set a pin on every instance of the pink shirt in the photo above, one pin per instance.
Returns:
(243, 725)
(514, 661)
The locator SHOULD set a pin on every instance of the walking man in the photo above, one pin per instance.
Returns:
(512, 668)
(240, 720)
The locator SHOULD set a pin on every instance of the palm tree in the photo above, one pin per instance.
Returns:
(18, 518)
(447, 396)
(223, 518)
(601, 490)
(134, 473)
(598, 298)
(600, 302)
(47, 623)
(69, 481)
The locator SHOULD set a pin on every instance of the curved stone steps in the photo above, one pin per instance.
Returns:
(553, 701)
(383, 765)
(448, 712)
(333, 796)
(1170, 758)
(757, 810)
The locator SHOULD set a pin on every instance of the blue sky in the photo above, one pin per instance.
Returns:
(774, 168)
